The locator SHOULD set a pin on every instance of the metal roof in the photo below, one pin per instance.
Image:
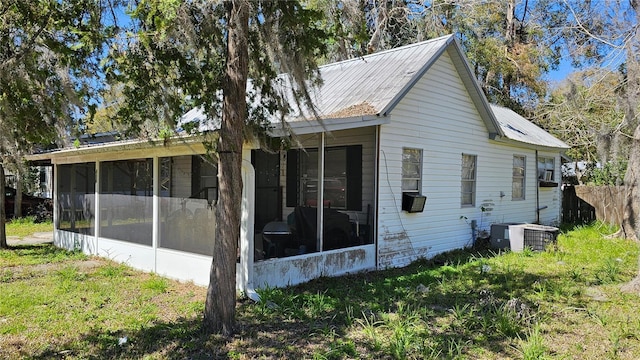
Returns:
(372, 84)
(364, 91)
(517, 128)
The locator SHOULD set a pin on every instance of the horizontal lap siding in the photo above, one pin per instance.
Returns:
(438, 116)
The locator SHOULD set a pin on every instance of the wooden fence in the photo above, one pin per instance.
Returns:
(584, 204)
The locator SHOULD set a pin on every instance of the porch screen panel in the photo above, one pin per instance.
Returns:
(187, 221)
(76, 198)
(126, 200)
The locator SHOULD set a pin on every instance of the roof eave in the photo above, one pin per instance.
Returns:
(303, 127)
(543, 147)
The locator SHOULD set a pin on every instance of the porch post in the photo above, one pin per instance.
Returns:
(320, 195)
(55, 197)
(96, 211)
(72, 192)
(247, 242)
(156, 210)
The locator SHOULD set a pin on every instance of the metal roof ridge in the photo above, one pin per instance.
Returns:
(387, 51)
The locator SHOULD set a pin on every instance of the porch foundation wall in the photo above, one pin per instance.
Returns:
(297, 270)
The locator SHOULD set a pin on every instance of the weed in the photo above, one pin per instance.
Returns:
(608, 272)
(527, 252)
(369, 326)
(6, 275)
(348, 318)
(403, 327)
(112, 270)
(455, 348)
(338, 350)
(576, 274)
(156, 284)
(317, 305)
(506, 322)
(70, 274)
(533, 347)
(463, 316)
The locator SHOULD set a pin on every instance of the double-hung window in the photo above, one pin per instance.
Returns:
(411, 170)
(517, 188)
(546, 169)
(468, 193)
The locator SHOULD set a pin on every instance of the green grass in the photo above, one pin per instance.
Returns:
(560, 304)
(22, 227)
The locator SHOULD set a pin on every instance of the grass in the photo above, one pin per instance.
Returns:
(22, 227)
(560, 304)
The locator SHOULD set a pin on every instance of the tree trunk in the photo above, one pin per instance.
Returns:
(631, 220)
(219, 312)
(3, 233)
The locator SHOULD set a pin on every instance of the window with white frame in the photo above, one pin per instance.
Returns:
(468, 194)
(411, 169)
(517, 188)
(546, 169)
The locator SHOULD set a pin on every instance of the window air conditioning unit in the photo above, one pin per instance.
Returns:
(413, 202)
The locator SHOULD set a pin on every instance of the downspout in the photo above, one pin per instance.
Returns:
(374, 224)
(537, 191)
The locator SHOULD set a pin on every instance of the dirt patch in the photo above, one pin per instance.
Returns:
(632, 287)
(23, 271)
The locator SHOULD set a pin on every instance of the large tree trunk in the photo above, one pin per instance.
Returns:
(219, 312)
(631, 221)
(3, 233)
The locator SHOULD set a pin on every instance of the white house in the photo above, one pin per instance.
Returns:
(415, 162)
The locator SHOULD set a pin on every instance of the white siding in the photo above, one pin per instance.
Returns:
(438, 116)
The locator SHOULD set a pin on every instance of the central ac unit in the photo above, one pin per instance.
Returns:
(501, 235)
(533, 236)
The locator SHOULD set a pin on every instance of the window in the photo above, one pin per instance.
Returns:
(126, 194)
(468, 180)
(546, 169)
(335, 178)
(517, 189)
(342, 177)
(204, 182)
(76, 195)
(411, 170)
